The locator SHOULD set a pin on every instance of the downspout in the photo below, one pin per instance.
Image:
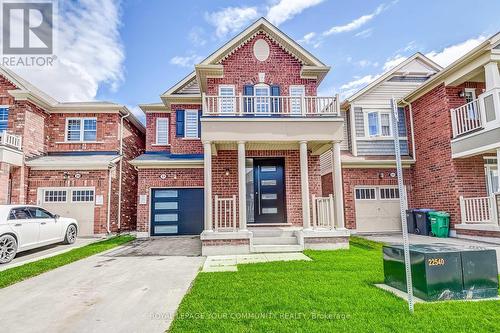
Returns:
(352, 123)
(108, 213)
(120, 174)
(411, 128)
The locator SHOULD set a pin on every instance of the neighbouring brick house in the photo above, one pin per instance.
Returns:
(371, 196)
(232, 152)
(456, 119)
(71, 158)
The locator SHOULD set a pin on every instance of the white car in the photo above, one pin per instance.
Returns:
(25, 227)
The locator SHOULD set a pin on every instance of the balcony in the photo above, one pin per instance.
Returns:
(283, 106)
(476, 125)
(276, 122)
(11, 149)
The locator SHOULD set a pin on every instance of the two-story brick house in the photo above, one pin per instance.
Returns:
(233, 151)
(371, 196)
(72, 158)
(456, 119)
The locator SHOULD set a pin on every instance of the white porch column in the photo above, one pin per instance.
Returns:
(492, 75)
(498, 169)
(207, 164)
(242, 185)
(337, 185)
(304, 184)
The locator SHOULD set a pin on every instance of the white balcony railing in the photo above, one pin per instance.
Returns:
(466, 118)
(482, 210)
(225, 213)
(323, 212)
(10, 140)
(270, 105)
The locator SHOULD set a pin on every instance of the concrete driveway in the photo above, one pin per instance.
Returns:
(118, 291)
(418, 239)
(47, 251)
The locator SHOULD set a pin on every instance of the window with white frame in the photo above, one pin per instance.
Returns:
(227, 101)
(191, 124)
(389, 193)
(296, 94)
(162, 131)
(379, 124)
(262, 93)
(491, 170)
(82, 196)
(4, 117)
(366, 194)
(55, 196)
(81, 129)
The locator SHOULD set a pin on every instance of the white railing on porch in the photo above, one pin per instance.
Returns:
(10, 140)
(481, 210)
(466, 118)
(323, 212)
(270, 105)
(225, 213)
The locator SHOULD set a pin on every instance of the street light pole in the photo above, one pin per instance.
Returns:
(402, 203)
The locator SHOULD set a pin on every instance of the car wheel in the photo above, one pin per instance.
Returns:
(8, 248)
(70, 237)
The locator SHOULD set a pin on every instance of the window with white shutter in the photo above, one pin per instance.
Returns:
(191, 124)
(162, 131)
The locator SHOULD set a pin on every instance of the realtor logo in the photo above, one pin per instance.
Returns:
(27, 27)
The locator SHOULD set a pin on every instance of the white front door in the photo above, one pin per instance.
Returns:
(27, 229)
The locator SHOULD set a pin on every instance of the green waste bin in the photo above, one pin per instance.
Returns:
(440, 224)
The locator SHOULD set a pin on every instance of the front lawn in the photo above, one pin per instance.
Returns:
(332, 293)
(19, 273)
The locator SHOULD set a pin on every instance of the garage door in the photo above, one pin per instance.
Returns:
(176, 211)
(377, 209)
(77, 203)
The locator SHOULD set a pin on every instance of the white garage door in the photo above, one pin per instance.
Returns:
(77, 203)
(377, 209)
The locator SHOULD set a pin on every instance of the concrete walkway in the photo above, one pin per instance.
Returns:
(418, 239)
(110, 292)
(228, 263)
(47, 252)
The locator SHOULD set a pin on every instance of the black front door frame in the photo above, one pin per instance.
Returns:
(263, 170)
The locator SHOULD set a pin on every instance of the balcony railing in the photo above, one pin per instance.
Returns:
(481, 113)
(225, 213)
(270, 106)
(10, 140)
(482, 210)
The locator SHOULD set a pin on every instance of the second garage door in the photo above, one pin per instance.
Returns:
(176, 211)
(377, 209)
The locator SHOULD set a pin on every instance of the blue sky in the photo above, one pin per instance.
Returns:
(131, 51)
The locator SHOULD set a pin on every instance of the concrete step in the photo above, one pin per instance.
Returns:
(276, 248)
(282, 240)
(272, 232)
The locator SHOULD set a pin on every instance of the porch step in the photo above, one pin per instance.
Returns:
(281, 240)
(276, 248)
(272, 232)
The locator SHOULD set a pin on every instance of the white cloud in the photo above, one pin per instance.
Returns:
(353, 86)
(356, 23)
(393, 61)
(287, 9)
(451, 53)
(89, 52)
(231, 19)
(197, 36)
(365, 33)
(308, 37)
(186, 61)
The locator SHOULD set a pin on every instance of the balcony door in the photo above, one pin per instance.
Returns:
(269, 189)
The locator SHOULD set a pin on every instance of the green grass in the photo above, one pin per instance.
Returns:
(20, 273)
(332, 293)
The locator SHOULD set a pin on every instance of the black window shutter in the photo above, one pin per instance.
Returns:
(275, 104)
(199, 123)
(248, 102)
(179, 123)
